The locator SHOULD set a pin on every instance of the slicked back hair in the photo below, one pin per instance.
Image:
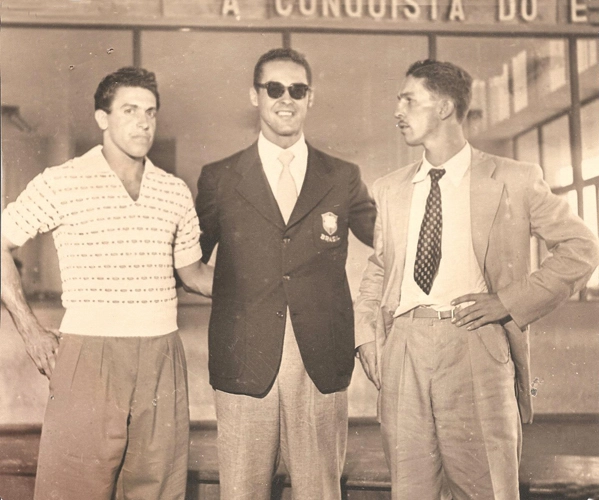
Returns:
(445, 79)
(124, 77)
(281, 55)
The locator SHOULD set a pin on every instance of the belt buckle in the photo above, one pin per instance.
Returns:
(451, 311)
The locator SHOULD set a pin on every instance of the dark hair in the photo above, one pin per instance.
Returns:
(124, 77)
(445, 79)
(281, 55)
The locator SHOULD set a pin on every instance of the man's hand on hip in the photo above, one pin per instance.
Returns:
(367, 356)
(485, 308)
(42, 347)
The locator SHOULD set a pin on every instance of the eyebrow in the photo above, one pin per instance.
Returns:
(130, 105)
(286, 86)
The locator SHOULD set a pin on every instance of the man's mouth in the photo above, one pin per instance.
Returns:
(285, 114)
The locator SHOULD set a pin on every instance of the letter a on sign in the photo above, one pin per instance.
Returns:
(456, 12)
(230, 7)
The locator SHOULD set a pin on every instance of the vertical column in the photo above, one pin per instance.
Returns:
(432, 46)
(137, 47)
(575, 122)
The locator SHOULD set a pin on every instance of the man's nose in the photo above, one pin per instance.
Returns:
(143, 121)
(286, 96)
(399, 110)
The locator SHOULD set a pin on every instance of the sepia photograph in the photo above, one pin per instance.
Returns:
(299, 250)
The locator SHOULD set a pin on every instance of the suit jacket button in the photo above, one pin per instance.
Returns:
(286, 240)
(286, 277)
(280, 314)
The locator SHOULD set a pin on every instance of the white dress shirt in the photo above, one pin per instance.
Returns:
(269, 156)
(459, 272)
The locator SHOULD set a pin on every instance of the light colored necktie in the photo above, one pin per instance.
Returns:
(286, 194)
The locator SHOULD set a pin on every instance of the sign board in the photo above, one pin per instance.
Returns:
(393, 12)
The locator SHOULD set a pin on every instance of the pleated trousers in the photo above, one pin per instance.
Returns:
(294, 421)
(449, 416)
(117, 420)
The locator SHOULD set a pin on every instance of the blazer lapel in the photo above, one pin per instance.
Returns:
(485, 195)
(398, 205)
(317, 184)
(254, 187)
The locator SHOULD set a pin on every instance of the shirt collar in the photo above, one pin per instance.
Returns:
(96, 159)
(455, 168)
(269, 152)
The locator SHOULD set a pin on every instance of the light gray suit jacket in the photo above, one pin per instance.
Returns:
(509, 203)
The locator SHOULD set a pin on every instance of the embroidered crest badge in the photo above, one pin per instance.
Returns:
(329, 223)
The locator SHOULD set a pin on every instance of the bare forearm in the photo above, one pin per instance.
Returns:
(13, 297)
(197, 278)
(41, 344)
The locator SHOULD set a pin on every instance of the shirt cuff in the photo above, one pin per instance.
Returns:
(187, 257)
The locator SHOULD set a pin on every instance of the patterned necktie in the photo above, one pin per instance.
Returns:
(286, 189)
(428, 253)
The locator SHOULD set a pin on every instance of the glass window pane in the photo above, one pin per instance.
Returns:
(204, 80)
(556, 153)
(518, 83)
(589, 197)
(572, 199)
(588, 66)
(49, 77)
(527, 147)
(357, 79)
(590, 139)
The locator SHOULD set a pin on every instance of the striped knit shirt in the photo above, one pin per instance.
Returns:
(116, 255)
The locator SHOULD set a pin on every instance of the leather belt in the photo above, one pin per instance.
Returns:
(428, 312)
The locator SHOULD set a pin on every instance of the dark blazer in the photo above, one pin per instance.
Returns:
(264, 266)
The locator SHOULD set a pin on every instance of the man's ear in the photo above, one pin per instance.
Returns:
(253, 96)
(446, 108)
(101, 119)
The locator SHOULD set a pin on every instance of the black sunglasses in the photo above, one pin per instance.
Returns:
(276, 89)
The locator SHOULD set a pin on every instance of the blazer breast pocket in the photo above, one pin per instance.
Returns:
(329, 228)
